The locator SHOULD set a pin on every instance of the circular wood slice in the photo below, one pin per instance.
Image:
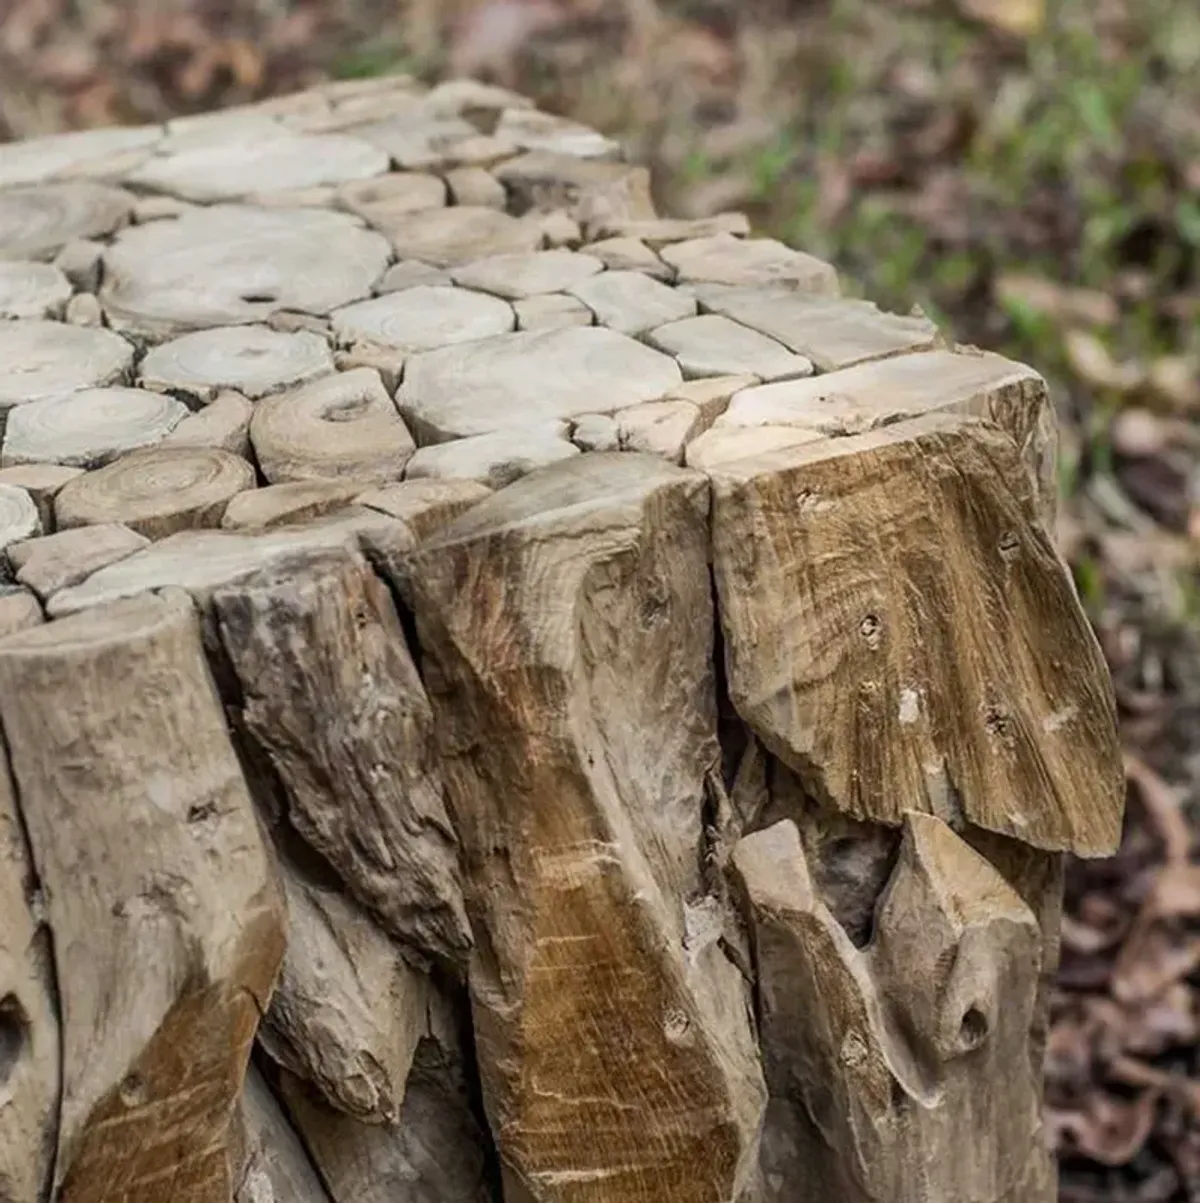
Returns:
(221, 169)
(383, 202)
(251, 360)
(519, 276)
(19, 518)
(341, 426)
(462, 234)
(526, 378)
(233, 264)
(49, 359)
(156, 492)
(421, 318)
(40, 159)
(34, 290)
(36, 222)
(90, 427)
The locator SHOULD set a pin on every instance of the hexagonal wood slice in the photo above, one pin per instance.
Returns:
(165, 921)
(940, 660)
(577, 742)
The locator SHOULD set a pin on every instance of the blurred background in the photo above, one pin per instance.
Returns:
(1028, 171)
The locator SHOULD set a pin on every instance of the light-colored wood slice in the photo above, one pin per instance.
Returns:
(832, 332)
(472, 99)
(221, 169)
(288, 504)
(83, 309)
(58, 561)
(940, 1099)
(385, 202)
(82, 262)
(862, 398)
(333, 699)
(42, 482)
(167, 921)
(348, 1011)
(559, 229)
(416, 140)
(941, 621)
(662, 231)
(387, 362)
(438, 1151)
(476, 187)
(274, 1166)
(711, 345)
(30, 1028)
(224, 422)
(90, 427)
(411, 274)
(520, 276)
(526, 378)
(531, 130)
(237, 128)
(628, 254)
(659, 427)
(41, 159)
(19, 517)
(233, 264)
(495, 459)
(19, 610)
(254, 361)
(754, 262)
(156, 492)
(589, 190)
(422, 318)
(35, 290)
(425, 506)
(202, 561)
(36, 222)
(603, 732)
(726, 445)
(40, 359)
(321, 197)
(712, 394)
(158, 208)
(596, 432)
(462, 234)
(288, 321)
(632, 302)
(344, 426)
(552, 312)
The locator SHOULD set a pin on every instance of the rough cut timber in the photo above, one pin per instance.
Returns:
(588, 712)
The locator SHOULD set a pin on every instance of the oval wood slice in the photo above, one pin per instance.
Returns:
(79, 151)
(224, 169)
(251, 360)
(462, 234)
(156, 492)
(40, 359)
(383, 202)
(19, 518)
(519, 276)
(90, 427)
(233, 264)
(525, 378)
(34, 290)
(421, 318)
(341, 426)
(36, 222)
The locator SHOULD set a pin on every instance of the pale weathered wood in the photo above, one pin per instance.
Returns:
(19, 517)
(19, 610)
(628, 254)
(524, 378)
(41, 359)
(518, 277)
(384, 202)
(758, 262)
(58, 561)
(288, 504)
(165, 918)
(333, 698)
(224, 423)
(711, 345)
(88, 428)
(156, 492)
(36, 222)
(33, 290)
(495, 459)
(596, 432)
(348, 1011)
(660, 232)
(252, 360)
(421, 318)
(232, 264)
(549, 675)
(551, 312)
(632, 302)
(77, 153)
(342, 426)
(659, 427)
(42, 482)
